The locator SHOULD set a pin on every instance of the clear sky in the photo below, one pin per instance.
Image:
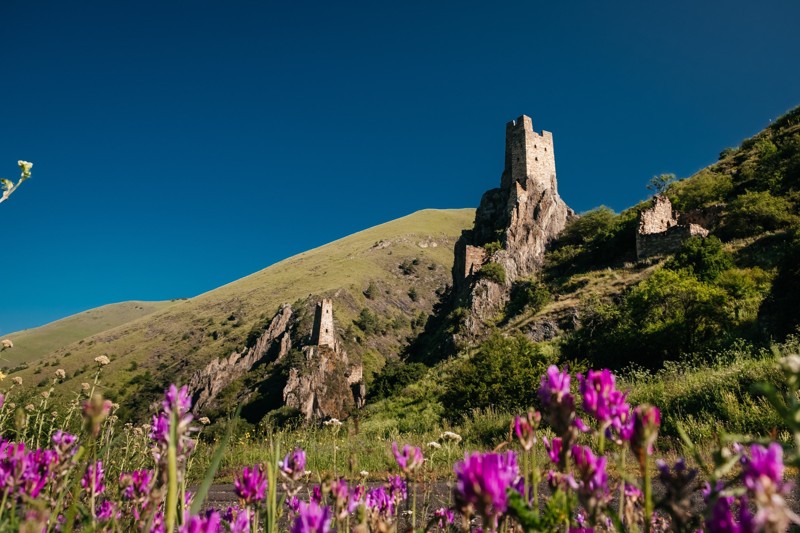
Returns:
(178, 146)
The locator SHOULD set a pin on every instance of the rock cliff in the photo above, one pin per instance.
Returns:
(272, 345)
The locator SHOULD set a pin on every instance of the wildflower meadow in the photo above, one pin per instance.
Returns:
(83, 470)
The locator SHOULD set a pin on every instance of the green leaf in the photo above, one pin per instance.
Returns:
(7, 184)
(522, 512)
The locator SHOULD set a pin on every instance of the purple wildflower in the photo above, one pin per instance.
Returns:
(554, 387)
(210, 523)
(482, 481)
(312, 518)
(525, 429)
(409, 459)
(553, 449)
(593, 479)
(63, 441)
(106, 511)
(93, 478)
(446, 517)
(765, 467)
(339, 491)
(293, 465)
(603, 401)
(723, 519)
(646, 421)
(251, 486)
(398, 490)
(379, 501)
(135, 485)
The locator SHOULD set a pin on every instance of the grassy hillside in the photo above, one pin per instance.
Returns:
(35, 343)
(386, 261)
(692, 332)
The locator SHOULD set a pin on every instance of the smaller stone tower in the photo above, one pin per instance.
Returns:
(323, 333)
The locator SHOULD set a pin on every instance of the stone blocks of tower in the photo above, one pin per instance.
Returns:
(529, 155)
(323, 333)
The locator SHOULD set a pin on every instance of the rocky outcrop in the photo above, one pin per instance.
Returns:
(660, 232)
(513, 224)
(272, 345)
(325, 384)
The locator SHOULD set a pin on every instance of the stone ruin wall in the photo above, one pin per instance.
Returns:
(323, 333)
(660, 232)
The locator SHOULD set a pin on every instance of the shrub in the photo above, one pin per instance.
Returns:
(493, 272)
(753, 213)
(502, 374)
(527, 294)
(395, 376)
(704, 257)
(492, 248)
(368, 322)
(590, 226)
(412, 293)
(704, 188)
(371, 291)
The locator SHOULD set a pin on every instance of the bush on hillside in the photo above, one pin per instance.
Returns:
(493, 272)
(704, 188)
(503, 374)
(753, 213)
(527, 294)
(704, 257)
(394, 377)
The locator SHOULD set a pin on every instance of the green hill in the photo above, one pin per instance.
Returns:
(400, 265)
(32, 344)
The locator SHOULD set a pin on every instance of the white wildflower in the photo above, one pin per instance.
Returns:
(204, 420)
(7, 344)
(29, 407)
(364, 473)
(61, 373)
(102, 360)
(85, 386)
(17, 380)
(25, 166)
(435, 445)
(449, 435)
(333, 422)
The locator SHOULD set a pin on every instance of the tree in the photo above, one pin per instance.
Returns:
(704, 257)
(659, 184)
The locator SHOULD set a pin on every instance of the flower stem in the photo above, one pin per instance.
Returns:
(172, 480)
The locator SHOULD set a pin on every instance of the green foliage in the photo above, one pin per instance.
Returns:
(589, 227)
(727, 152)
(527, 294)
(371, 291)
(502, 374)
(493, 272)
(412, 293)
(394, 376)
(704, 188)
(753, 213)
(704, 257)
(595, 239)
(369, 322)
(492, 248)
(779, 310)
(659, 184)
(666, 315)
(747, 288)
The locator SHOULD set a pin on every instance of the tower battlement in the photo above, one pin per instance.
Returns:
(529, 155)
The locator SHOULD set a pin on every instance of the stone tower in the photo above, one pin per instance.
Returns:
(323, 333)
(528, 155)
(519, 219)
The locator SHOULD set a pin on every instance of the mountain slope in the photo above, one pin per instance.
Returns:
(386, 261)
(34, 343)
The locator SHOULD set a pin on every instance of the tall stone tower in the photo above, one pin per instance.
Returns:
(521, 216)
(323, 333)
(528, 155)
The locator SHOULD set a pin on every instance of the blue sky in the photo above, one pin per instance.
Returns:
(178, 146)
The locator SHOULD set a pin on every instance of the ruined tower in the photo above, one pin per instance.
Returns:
(323, 333)
(528, 155)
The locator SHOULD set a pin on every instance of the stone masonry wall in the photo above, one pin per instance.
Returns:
(323, 333)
